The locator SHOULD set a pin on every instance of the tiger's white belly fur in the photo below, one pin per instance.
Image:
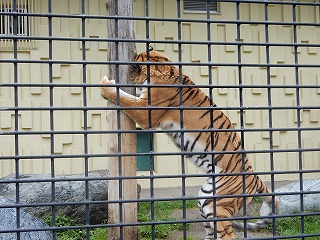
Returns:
(203, 160)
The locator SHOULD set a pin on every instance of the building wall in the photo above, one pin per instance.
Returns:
(63, 72)
(67, 73)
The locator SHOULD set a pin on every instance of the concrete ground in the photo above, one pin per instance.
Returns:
(176, 192)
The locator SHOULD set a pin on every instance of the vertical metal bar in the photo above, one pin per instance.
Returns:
(152, 203)
(270, 113)
(119, 122)
(183, 162)
(212, 133)
(51, 103)
(85, 113)
(296, 68)
(239, 48)
(16, 113)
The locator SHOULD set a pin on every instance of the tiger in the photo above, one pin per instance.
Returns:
(190, 118)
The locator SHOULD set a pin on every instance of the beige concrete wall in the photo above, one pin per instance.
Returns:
(35, 97)
(65, 144)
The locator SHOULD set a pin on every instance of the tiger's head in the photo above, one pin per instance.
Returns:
(156, 72)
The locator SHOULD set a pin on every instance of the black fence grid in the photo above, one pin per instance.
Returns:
(257, 60)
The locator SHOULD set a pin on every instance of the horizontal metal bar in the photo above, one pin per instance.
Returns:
(92, 132)
(168, 19)
(34, 157)
(182, 42)
(172, 176)
(86, 108)
(182, 86)
(185, 153)
(150, 200)
(209, 64)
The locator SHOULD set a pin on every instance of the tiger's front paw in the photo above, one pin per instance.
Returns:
(105, 80)
(107, 92)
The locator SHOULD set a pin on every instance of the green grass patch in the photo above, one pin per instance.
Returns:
(162, 212)
(68, 234)
(99, 234)
(291, 226)
(75, 234)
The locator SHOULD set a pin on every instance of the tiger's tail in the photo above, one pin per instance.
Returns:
(265, 210)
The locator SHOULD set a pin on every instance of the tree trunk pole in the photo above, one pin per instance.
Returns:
(121, 189)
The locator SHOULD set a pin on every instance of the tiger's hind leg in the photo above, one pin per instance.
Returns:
(224, 230)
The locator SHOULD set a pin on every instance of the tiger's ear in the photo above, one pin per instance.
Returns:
(150, 48)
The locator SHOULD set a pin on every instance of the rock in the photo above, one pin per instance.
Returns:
(291, 203)
(8, 221)
(65, 191)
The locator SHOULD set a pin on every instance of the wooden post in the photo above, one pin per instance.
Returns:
(121, 51)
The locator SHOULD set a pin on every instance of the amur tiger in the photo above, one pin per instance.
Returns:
(191, 125)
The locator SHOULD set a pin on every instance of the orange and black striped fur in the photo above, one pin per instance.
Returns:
(199, 144)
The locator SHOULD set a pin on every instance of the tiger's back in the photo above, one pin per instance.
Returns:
(203, 132)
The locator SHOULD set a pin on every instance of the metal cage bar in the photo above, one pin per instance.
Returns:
(15, 59)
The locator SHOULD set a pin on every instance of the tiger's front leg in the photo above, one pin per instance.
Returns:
(140, 116)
